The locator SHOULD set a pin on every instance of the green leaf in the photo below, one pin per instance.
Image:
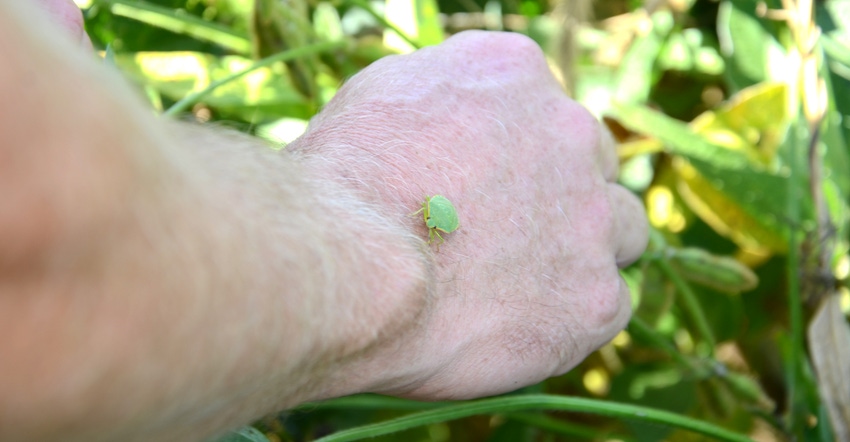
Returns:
(834, 134)
(535, 402)
(417, 19)
(748, 43)
(725, 187)
(745, 205)
(754, 121)
(326, 22)
(637, 72)
(256, 96)
(678, 138)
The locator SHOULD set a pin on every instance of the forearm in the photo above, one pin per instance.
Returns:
(178, 280)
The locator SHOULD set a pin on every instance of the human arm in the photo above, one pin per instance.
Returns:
(163, 276)
(159, 280)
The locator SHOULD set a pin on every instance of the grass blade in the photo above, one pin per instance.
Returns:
(508, 404)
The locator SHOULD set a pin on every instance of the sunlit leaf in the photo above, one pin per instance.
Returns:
(743, 205)
(283, 131)
(754, 121)
(747, 43)
(637, 71)
(721, 180)
(835, 132)
(678, 138)
(327, 23)
(417, 19)
(258, 96)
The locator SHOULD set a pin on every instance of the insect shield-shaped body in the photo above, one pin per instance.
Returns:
(440, 216)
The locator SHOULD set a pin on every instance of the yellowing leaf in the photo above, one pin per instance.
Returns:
(753, 121)
(724, 160)
(746, 224)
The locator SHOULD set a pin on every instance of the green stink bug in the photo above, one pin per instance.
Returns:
(439, 214)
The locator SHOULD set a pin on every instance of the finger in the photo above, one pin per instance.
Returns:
(600, 333)
(632, 227)
(608, 161)
(68, 16)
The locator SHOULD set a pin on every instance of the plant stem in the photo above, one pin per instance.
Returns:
(377, 402)
(644, 331)
(689, 303)
(291, 54)
(185, 24)
(794, 299)
(535, 402)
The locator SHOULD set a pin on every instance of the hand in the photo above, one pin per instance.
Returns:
(529, 284)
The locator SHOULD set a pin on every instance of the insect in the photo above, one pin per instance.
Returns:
(440, 216)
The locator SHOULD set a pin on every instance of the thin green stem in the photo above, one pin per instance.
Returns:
(641, 330)
(794, 299)
(509, 404)
(291, 54)
(377, 402)
(689, 303)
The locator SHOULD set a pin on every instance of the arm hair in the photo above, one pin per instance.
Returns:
(163, 281)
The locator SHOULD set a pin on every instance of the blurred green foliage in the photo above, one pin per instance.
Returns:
(733, 121)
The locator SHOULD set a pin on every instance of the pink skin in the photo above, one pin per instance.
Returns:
(67, 15)
(528, 286)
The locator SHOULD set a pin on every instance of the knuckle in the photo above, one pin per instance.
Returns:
(586, 131)
(499, 52)
(607, 305)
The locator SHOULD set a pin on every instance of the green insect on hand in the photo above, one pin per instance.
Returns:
(440, 216)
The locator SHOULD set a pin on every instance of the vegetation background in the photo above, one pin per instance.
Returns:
(733, 120)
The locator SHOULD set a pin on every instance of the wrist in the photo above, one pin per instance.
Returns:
(382, 293)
